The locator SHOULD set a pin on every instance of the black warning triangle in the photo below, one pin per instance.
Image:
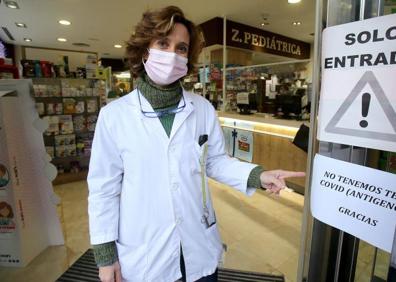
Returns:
(367, 78)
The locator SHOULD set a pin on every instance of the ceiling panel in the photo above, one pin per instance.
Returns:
(103, 23)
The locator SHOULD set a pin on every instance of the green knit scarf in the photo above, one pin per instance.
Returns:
(159, 97)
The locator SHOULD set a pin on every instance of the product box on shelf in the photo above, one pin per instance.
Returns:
(58, 107)
(92, 106)
(87, 146)
(80, 107)
(91, 70)
(39, 90)
(70, 150)
(79, 123)
(50, 151)
(54, 108)
(63, 151)
(79, 147)
(66, 92)
(91, 122)
(28, 68)
(50, 108)
(69, 106)
(43, 90)
(66, 124)
(60, 151)
(83, 145)
(37, 68)
(40, 108)
(80, 91)
(96, 91)
(69, 139)
(53, 125)
(89, 91)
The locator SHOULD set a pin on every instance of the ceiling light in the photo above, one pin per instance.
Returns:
(60, 39)
(64, 22)
(118, 46)
(293, 1)
(264, 23)
(20, 25)
(27, 39)
(12, 4)
(296, 23)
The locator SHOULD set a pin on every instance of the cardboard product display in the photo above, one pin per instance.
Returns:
(28, 217)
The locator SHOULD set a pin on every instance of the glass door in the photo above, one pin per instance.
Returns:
(327, 253)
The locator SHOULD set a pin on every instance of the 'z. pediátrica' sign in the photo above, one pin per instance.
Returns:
(251, 38)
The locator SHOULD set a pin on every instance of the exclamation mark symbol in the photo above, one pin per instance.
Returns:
(365, 108)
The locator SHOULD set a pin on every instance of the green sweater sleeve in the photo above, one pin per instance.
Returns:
(254, 177)
(105, 254)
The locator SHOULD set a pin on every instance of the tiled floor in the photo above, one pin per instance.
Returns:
(262, 234)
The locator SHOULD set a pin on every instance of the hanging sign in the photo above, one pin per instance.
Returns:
(358, 101)
(356, 199)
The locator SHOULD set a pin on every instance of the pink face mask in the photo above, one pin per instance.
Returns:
(165, 68)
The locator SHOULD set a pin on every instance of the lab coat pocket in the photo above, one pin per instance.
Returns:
(133, 261)
(213, 238)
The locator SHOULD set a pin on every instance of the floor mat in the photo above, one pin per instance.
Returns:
(85, 270)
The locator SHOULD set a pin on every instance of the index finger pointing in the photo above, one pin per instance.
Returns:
(287, 174)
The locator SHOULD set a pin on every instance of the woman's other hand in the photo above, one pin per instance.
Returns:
(110, 273)
(274, 180)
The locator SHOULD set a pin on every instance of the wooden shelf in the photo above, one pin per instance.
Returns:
(65, 97)
(70, 158)
(71, 114)
(68, 177)
(65, 78)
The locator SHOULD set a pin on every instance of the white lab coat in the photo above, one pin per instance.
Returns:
(145, 188)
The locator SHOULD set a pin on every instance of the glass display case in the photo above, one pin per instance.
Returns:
(279, 89)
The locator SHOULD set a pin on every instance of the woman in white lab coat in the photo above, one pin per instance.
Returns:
(150, 211)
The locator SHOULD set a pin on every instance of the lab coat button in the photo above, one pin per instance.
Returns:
(175, 186)
(179, 220)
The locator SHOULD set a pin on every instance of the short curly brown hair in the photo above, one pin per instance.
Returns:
(157, 24)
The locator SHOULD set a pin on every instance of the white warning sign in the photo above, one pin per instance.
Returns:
(358, 93)
(356, 199)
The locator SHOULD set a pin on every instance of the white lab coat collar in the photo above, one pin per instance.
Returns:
(154, 123)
